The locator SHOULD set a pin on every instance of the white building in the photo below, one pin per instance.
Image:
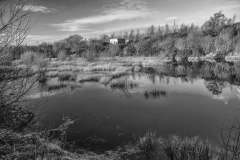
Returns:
(117, 41)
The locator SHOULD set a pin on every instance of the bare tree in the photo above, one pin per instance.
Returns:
(15, 23)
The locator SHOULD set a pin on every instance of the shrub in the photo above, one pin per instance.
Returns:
(207, 43)
(32, 58)
(62, 56)
(113, 50)
(29, 58)
(181, 43)
(130, 50)
(90, 55)
(193, 43)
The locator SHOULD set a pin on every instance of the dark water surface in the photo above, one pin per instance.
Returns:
(191, 100)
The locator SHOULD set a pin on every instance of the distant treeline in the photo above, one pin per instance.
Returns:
(219, 35)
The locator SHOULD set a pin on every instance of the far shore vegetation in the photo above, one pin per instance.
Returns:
(217, 38)
(23, 67)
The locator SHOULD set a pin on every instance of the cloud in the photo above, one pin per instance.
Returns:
(32, 39)
(171, 18)
(230, 5)
(40, 9)
(123, 11)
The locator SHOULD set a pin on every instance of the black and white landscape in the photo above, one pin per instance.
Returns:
(120, 79)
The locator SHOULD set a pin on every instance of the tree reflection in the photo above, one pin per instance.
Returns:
(215, 87)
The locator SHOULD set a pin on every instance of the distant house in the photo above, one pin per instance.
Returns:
(117, 41)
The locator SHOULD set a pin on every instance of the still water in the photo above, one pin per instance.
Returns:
(193, 100)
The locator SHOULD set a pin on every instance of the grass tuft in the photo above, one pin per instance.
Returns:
(65, 76)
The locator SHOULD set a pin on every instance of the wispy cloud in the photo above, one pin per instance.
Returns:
(41, 9)
(32, 39)
(230, 5)
(123, 11)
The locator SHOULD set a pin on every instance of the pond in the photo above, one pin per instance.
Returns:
(188, 100)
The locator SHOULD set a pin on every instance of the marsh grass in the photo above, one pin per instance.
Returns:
(148, 143)
(155, 93)
(67, 76)
(53, 87)
(176, 148)
(89, 78)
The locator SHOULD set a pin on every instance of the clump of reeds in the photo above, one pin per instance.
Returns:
(148, 143)
(66, 76)
(176, 148)
(53, 87)
(155, 93)
(89, 78)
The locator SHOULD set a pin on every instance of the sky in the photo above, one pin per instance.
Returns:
(58, 19)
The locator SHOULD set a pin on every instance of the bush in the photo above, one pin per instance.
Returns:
(90, 55)
(193, 43)
(181, 43)
(62, 56)
(207, 43)
(32, 58)
(113, 50)
(29, 58)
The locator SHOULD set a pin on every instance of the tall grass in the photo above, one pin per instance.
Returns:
(148, 143)
(176, 148)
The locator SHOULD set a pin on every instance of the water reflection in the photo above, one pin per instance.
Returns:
(187, 99)
(155, 94)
